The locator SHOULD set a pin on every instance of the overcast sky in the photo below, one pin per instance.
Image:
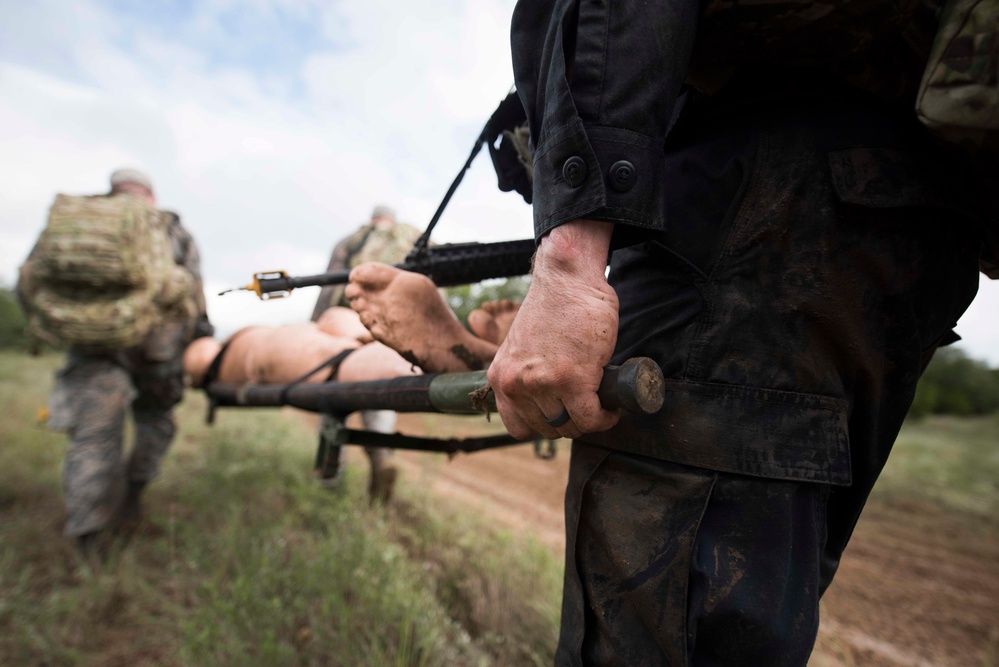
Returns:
(273, 127)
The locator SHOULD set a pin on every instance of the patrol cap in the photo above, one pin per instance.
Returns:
(130, 175)
(382, 211)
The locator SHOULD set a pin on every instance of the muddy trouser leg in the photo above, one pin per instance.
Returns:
(154, 431)
(92, 474)
(705, 558)
(160, 388)
(378, 421)
(793, 303)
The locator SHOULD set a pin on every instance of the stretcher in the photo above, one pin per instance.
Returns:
(634, 386)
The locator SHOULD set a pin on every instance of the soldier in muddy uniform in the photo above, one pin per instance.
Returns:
(787, 242)
(96, 389)
(383, 239)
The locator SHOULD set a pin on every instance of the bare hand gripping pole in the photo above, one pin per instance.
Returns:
(635, 386)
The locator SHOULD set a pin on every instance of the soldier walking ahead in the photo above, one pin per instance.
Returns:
(385, 240)
(126, 334)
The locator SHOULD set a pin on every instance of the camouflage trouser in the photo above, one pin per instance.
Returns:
(813, 262)
(90, 401)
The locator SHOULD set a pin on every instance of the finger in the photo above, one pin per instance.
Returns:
(564, 424)
(570, 430)
(517, 427)
(588, 416)
(543, 425)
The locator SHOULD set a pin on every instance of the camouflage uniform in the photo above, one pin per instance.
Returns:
(368, 244)
(93, 392)
(791, 250)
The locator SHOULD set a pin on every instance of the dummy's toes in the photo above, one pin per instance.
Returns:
(372, 275)
(499, 307)
(483, 325)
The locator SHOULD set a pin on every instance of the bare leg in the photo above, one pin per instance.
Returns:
(282, 354)
(343, 322)
(405, 311)
(492, 321)
(198, 356)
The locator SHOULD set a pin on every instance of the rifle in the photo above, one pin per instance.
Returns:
(447, 265)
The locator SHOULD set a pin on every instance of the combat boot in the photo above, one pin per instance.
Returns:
(131, 510)
(92, 547)
(382, 483)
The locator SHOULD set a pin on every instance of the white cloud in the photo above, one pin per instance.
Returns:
(260, 179)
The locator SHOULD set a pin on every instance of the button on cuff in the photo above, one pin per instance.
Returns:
(622, 175)
(574, 171)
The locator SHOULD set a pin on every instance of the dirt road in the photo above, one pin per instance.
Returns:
(916, 588)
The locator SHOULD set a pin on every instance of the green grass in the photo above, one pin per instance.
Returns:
(950, 461)
(246, 561)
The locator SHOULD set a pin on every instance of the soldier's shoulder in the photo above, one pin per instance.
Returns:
(172, 216)
(408, 231)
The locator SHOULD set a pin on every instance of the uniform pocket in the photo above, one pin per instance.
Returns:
(883, 178)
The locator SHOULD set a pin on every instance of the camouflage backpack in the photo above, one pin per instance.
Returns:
(389, 246)
(958, 96)
(102, 273)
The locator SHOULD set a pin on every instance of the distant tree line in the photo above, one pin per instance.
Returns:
(956, 385)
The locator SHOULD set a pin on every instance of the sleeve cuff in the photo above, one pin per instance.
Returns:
(599, 173)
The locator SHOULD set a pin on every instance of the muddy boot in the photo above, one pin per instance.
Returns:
(131, 510)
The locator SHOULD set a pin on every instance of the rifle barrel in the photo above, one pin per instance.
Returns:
(447, 265)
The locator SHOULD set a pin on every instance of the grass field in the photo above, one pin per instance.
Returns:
(246, 561)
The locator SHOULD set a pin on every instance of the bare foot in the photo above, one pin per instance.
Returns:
(405, 311)
(492, 321)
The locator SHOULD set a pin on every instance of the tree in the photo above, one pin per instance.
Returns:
(955, 384)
